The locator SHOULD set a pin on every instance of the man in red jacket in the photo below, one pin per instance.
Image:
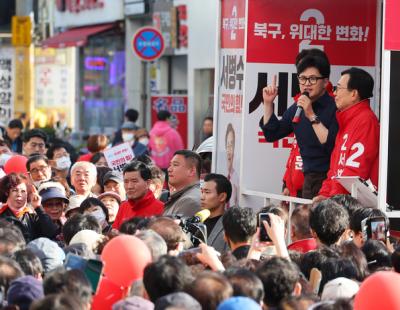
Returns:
(141, 201)
(356, 148)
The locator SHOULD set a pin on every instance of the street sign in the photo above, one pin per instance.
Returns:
(148, 43)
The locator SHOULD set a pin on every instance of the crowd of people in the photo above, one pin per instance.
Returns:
(75, 234)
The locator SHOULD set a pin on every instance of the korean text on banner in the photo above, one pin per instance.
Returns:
(276, 32)
(118, 156)
(230, 93)
(7, 81)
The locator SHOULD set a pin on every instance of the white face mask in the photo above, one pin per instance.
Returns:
(100, 217)
(127, 137)
(63, 163)
(4, 158)
(144, 140)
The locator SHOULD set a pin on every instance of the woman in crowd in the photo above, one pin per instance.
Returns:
(97, 209)
(22, 207)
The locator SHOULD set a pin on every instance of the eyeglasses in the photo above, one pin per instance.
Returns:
(41, 169)
(336, 88)
(312, 79)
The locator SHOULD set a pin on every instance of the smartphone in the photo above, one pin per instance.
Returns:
(92, 268)
(189, 256)
(263, 232)
(374, 228)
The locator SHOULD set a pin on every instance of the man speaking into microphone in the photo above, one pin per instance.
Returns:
(311, 118)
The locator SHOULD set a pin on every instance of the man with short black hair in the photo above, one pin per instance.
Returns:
(317, 127)
(167, 275)
(215, 194)
(328, 222)
(164, 140)
(356, 151)
(39, 169)
(184, 176)
(280, 279)
(12, 135)
(72, 282)
(34, 141)
(140, 199)
(240, 224)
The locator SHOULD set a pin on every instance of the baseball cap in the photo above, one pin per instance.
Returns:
(52, 193)
(339, 288)
(130, 126)
(112, 176)
(74, 202)
(110, 194)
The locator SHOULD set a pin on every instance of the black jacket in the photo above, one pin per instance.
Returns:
(32, 225)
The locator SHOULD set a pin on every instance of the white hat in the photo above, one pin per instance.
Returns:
(88, 237)
(339, 288)
(74, 202)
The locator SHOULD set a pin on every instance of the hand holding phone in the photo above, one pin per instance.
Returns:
(263, 232)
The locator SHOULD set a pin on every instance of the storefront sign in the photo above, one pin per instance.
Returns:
(148, 44)
(178, 107)
(118, 156)
(6, 85)
(74, 13)
(21, 31)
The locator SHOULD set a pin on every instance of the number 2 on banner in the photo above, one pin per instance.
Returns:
(320, 19)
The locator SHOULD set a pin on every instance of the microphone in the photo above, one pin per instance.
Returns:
(199, 217)
(296, 117)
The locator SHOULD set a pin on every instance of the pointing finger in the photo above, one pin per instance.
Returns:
(274, 81)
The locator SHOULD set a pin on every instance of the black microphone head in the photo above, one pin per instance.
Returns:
(306, 93)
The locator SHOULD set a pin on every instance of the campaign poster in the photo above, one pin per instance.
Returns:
(118, 156)
(229, 100)
(276, 32)
(7, 80)
(178, 107)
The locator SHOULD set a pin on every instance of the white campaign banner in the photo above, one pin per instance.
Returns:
(118, 156)
(229, 98)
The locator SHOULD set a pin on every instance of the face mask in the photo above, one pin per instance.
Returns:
(100, 217)
(144, 140)
(63, 163)
(4, 158)
(127, 137)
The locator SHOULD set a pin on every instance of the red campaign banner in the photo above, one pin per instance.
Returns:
(345, 29)
(233, 23)
(178, 107)
(392, 25)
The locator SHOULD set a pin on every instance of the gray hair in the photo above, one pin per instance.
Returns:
(156, 244)
(85, 164)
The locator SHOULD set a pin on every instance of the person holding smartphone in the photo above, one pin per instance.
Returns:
(22, 207)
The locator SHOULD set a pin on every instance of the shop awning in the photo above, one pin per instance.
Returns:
(75, 37)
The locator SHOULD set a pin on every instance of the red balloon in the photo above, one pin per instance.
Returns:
(107, 294)
(16, 164)
(125, 258)
(379, 291)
